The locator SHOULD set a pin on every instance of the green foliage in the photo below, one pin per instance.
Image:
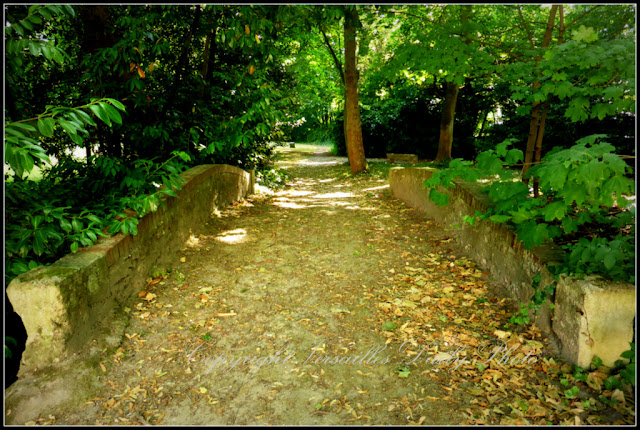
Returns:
(21, 148)
(272, 178)
(628, 372)
(47, 219)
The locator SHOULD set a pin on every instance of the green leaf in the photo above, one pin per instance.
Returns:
(25, 127)
(514, 156)
(92, 236)
(77, 225)
(35, 221)
(532, 234)
(389, 326)
(116, 103)
(100, 113)
(403, 372)
(38, 243)
(584, 34)
(45, 126)
(65, 225)
(489, 163)
(85, 117)
(555, 210)
(34, 48)
(610, 261)
(68, 127)
(112, 112)
(565, 89)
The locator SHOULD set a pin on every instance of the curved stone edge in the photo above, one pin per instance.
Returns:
(591, 316)
(64, 305)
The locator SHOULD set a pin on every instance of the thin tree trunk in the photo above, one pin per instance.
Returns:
(485, 115)
(538, 154)
(336, 60)
(353, 125)
(446, 123)
(534, 124)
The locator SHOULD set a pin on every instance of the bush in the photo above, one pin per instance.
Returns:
(583, 204)
(77, 201)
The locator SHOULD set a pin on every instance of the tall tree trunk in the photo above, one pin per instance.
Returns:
(450, 100)
(538, 154)
(446, 123)
(209, 54)
(353, 125)
(536, 115)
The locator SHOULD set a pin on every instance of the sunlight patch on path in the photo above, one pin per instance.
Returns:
(333, 196)
(232, 237)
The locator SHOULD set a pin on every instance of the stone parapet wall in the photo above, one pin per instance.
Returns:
(495, 248)
(63, 305)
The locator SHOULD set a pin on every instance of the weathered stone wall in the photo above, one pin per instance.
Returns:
(495, 248)
(63, 304)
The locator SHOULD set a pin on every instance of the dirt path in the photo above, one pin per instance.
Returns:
(307, 307)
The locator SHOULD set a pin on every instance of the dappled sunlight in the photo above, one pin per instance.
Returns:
(333, 196)
(318, 163)
(232, 237)
(193, 242)
(289, 204)
(295, 193)
(381, 187)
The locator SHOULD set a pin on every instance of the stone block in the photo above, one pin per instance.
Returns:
(594, 317)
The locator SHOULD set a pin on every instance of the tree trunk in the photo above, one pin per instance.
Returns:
(446, 123)
(449, 108)
(538, 154)
(484, 117)
(534, 124)
(353, 125)
(209, 55)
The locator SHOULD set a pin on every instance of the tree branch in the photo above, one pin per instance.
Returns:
(336, 60)
(581, 16)
(526, 27)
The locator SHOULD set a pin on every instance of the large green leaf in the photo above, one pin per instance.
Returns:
(101, 113)
(45, 126)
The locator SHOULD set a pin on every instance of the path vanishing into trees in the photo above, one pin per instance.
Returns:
(311, 306)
